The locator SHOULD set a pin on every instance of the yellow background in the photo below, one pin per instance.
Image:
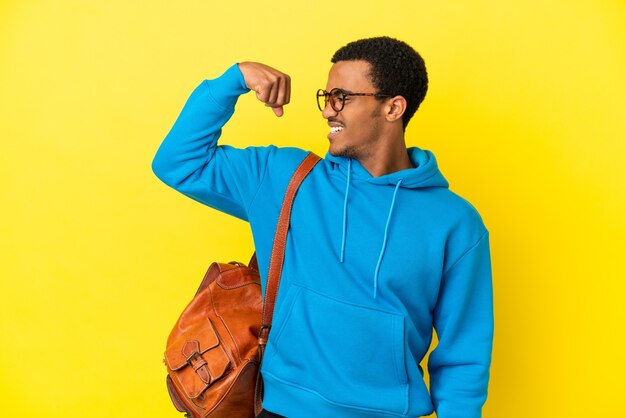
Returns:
(526, 113)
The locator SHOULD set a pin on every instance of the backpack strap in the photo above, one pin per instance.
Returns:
(280, 241)
(276, 261)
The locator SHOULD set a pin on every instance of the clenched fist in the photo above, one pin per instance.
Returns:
(271, 86)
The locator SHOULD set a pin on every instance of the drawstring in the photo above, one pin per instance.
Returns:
(345, 218)
(345, 212)
(382, 250)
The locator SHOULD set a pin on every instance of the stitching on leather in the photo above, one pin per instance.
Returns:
(227, 330)
(233, 271)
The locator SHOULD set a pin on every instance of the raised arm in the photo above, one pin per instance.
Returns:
(189, 159)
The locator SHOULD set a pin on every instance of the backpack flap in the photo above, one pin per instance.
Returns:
(197, 361)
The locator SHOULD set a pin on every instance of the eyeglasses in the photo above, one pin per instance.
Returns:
(337, 98)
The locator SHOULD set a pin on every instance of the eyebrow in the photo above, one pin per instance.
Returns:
(342, 90)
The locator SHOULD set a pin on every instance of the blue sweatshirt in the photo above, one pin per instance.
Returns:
(372, 264)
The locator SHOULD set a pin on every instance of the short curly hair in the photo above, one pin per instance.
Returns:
(396, 69)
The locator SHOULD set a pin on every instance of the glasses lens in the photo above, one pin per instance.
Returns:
(321, 99)
(337, 99)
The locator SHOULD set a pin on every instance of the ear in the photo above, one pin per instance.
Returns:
(395, 108)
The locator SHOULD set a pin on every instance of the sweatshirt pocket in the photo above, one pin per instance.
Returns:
(351, 355)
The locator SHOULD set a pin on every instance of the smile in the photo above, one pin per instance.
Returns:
(335, 129)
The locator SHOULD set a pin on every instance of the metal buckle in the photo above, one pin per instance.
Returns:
(193, 356)
(263, 328)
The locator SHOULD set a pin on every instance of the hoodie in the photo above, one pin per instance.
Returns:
(372, 266)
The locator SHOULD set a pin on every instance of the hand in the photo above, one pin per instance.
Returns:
(271, 86)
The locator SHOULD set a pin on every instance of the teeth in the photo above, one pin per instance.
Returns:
(335, 129)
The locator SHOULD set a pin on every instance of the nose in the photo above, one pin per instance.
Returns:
(328, 111)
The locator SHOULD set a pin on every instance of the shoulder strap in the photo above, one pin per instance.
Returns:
(280, 240)
(276, 266)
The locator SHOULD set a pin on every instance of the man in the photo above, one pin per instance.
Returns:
(379, 250)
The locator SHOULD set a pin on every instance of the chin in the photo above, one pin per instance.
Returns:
(346, 152)
(333, 152)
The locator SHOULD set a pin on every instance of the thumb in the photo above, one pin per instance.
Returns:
(278, 110)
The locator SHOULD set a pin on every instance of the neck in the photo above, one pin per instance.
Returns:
(388, 159)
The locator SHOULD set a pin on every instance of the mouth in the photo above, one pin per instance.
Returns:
(335, 128)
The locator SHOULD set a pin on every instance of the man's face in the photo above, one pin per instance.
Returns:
(356, 129)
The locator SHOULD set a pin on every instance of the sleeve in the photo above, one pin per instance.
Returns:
(190, 161)
(463, 319)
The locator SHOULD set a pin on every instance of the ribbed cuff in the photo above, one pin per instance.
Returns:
(226, 89)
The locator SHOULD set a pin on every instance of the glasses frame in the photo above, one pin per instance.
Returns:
(328, 97)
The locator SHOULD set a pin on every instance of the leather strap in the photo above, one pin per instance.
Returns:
(276, 261)
(280, 239)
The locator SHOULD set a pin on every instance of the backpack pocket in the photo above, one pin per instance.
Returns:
(197, 362)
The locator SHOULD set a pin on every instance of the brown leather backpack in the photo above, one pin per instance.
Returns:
(214, 352)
